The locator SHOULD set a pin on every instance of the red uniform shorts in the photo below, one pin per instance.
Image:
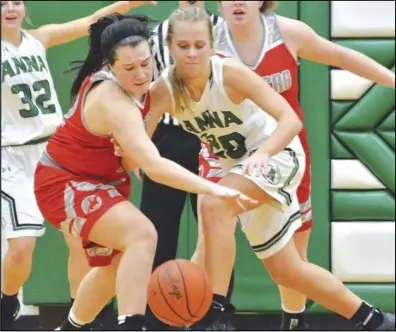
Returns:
(73, 204)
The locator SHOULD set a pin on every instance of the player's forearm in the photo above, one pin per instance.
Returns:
(363, 66)
(121, 7)
(169, 173)
(288, 128)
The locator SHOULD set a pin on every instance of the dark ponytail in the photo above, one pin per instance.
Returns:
(105, 36)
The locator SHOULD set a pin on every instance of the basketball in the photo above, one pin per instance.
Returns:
(179, 293)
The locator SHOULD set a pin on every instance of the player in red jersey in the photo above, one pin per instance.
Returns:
(271, 45)
(82, 188)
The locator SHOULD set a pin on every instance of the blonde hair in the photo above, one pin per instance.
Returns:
(190, 14)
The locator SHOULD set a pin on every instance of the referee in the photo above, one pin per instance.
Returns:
(163, 205)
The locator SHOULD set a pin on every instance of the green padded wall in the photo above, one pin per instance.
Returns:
(362, 134)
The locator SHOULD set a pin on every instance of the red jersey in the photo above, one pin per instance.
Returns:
(276, 65)
(79, 178)
(78, 150)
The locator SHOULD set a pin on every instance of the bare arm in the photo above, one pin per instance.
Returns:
(57, 34)
(310, 46)
(126, 125)
(246, 84)
(160, 103)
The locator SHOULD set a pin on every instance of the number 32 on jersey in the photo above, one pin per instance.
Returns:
(36, 104)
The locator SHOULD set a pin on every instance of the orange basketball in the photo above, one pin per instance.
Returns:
(179, 293)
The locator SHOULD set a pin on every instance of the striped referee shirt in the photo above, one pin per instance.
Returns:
(162, 58)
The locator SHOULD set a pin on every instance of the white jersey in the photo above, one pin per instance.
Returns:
(29, 104)
(232, 131)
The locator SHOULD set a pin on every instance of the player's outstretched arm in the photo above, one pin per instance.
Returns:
(125, 122)
(311, 46)
(57, 34)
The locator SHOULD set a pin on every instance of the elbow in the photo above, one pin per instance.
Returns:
(298, 125)
(344, 59)
(294, 123)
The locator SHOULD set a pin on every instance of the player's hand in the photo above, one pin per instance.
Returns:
(257, 162)
(118, 151)
(233, 195)
(125, 6)
(137, 4)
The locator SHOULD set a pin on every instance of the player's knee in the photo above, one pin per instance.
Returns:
(200, 245)
(304, 255)
(199, 253)
(144, 236)
(287, 277)
(212, 211)
(21, 250)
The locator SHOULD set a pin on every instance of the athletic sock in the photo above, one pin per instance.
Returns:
(368, 317)
(292, 320)
(132, 323)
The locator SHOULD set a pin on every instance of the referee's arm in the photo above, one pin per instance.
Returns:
(156, 54)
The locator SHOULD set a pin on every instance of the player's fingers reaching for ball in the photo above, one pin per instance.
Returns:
(234, 195)
(136, 4)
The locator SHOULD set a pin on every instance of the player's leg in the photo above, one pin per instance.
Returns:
(198, 256)
(99, 285)
(78, 268)
(283, 261)
(210, 169)
(108, 223)
(293, 303)
(279, 252)
(219, 237)
(16, 268)
(324, 288)
(77, 263)
(21, 224)
(124, 228)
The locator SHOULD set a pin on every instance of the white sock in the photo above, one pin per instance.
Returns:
(293, 311)
(121, 319)
(75, 321)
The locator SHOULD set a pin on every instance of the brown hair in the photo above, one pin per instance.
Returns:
(190, 14)
(27, 18)
(268, 6)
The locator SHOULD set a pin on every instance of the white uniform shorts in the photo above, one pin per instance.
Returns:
(271, 226)
(20, 215)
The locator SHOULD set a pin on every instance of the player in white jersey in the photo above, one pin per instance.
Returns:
(30, 114)
(212, 98)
